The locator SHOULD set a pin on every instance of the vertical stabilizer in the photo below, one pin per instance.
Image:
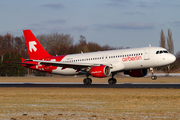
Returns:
(35, 49)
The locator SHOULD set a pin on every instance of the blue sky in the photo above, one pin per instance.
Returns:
(127, 23)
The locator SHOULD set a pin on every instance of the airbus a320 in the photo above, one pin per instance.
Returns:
(134, 62)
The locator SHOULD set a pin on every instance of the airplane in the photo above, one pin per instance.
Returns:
(134, 62)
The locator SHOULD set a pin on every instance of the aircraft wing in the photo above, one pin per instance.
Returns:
(67, 64)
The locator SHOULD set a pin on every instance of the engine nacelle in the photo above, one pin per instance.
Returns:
(136, 73)
(100, 71)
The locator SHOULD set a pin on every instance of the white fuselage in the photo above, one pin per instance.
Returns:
(120, 60)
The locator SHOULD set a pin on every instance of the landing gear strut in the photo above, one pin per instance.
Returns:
(153, 77)
(112, 80)
(87, 81)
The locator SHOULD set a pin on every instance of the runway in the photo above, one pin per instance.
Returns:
(78, 85)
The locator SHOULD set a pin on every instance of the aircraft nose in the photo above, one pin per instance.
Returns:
(172, 58)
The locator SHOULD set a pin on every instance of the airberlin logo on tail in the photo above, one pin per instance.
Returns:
(132, 58)
(32, 46)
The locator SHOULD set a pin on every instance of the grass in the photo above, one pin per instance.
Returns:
(88, 103)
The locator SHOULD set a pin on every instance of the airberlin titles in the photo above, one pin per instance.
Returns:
(131, 58)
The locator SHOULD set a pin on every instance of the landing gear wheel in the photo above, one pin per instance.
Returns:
(154, 77)
(112, 81)
(90, 81)
(87, 81)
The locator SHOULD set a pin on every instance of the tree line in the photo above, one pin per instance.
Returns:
(12, 48)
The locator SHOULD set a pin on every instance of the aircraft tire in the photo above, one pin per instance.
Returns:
(154, 77)
(112, 81)
(115, 81)
(87, 81)
(90, 81)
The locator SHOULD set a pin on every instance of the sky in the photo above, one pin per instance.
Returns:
(118, 23)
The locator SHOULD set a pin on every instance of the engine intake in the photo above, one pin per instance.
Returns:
(136, 73)
(100, 71)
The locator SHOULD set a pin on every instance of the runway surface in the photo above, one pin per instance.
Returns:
(78, 85)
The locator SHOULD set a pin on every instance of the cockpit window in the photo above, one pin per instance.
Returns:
(165, 51)
(160, 52)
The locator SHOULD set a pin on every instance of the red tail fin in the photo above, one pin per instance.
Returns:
(35, 49)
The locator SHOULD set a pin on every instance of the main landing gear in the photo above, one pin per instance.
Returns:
(112, 80)
(153, 77)
(87, 81)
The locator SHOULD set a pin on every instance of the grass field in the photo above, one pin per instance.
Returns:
(89, 103)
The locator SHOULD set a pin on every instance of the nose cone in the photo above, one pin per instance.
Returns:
(172, 58)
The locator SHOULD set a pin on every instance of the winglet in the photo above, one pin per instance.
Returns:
(35, 49)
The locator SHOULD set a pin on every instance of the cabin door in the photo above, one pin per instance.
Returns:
(147, 54)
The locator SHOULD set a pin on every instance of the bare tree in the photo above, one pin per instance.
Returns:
(162, 42)
(94, 47)
(18, 45)
(170, 43)
(1, 48)
(170, 46)
(7, 42)
(55, 43)
(83, 44)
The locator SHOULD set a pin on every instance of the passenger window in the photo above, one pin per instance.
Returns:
(161, 52)
(157, 52)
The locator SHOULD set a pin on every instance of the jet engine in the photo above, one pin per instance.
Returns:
(136, 73)
(100, 71)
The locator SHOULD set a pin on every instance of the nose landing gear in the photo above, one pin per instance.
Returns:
(153, 77)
